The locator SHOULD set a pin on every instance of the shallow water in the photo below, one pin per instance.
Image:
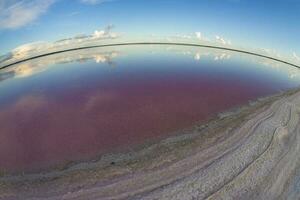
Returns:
(77, 105)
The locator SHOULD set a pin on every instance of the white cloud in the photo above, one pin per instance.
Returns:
(296, 56)
(93, 2)
(36, 48)
(222, 40)
(15, 14)
(26, 49)
(101, 34)
(186, 36)
(198, 35)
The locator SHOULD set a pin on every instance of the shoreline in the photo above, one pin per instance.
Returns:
(157, 167)
(124, 151)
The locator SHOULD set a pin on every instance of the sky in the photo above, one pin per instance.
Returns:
(270, 24)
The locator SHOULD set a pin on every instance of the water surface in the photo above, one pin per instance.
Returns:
(80, 104)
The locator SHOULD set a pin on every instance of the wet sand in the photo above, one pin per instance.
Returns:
(251, 152)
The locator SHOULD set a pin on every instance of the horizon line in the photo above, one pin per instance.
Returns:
(150, 43)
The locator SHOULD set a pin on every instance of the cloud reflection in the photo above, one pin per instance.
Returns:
(199, 54)
(38, 65)
(108, 55)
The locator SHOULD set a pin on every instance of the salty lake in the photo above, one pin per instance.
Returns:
(78, 105)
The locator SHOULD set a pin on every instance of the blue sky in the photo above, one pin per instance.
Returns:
(272, 24)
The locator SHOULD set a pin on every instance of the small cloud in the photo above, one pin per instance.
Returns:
(18, 14)
(73, 13)
(186, 36)
(104, 34)
(271, 52)
(6, 57)
(222, 40)
(94, 2)
(296, 56)
(198, 35)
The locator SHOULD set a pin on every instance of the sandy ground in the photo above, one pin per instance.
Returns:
(250, 152)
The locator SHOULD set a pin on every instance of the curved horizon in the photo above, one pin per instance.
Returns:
(152, 43)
